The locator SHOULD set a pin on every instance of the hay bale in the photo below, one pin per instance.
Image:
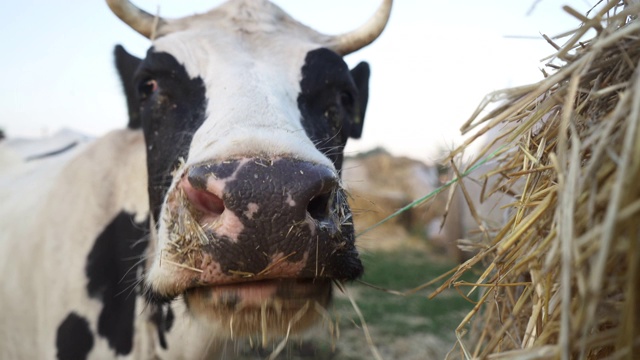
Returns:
(380, 183)
(561, 278)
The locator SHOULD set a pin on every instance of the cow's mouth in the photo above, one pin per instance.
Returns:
(265, 309)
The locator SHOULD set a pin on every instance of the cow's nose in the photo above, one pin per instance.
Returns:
(282, 190)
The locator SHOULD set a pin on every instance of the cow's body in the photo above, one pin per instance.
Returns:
(65, 211)
(217, 214)
(47, 290)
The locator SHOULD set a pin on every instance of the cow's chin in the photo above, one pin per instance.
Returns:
(267, 309)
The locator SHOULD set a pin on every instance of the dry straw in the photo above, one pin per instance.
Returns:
(561, 279)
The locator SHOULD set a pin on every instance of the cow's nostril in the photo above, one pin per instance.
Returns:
(209, 202)
(318, 207)
(204, 201)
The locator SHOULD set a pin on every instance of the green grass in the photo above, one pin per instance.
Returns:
(393, 315)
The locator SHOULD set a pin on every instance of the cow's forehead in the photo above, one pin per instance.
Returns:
(215, 52)
(257, 28)
(251, 95)
(250, 61)
(245, 16)
(237, 35)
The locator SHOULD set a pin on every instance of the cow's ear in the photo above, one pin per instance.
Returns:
(360, 75)
(127, 65)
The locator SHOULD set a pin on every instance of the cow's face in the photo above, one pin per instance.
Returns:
(245, 114)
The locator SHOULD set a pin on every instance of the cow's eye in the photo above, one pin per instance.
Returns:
(147, 87)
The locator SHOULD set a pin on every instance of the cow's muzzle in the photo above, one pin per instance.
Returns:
(247, 231)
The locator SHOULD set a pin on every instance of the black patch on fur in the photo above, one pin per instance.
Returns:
(52, 153)
(112, 269)
(332, 101)
(74, 339)
(162, 317)
(170, 116)
(127, 64)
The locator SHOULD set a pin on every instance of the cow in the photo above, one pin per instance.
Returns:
(217, 213)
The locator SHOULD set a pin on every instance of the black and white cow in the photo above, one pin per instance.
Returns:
(217, 214)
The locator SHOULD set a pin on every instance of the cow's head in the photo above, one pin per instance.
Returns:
(245, 114)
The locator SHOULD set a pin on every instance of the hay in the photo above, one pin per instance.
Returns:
(561, 279)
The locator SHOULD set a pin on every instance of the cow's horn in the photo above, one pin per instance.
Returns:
(357, 39)
(139, 20)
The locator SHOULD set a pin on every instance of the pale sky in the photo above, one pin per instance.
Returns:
(430, 68)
